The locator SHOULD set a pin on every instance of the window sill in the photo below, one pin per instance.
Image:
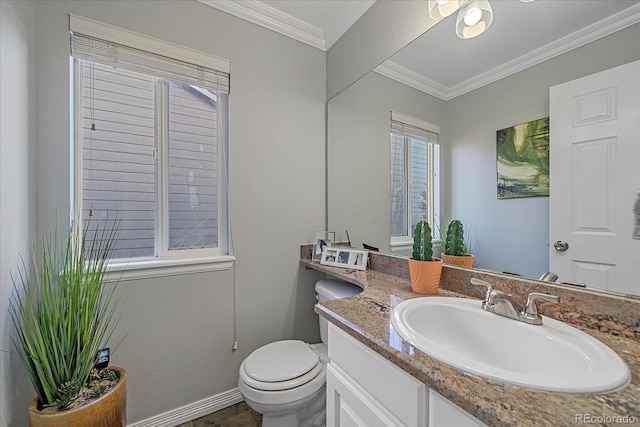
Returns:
(407, 245)
(401, 246)
(154, 267)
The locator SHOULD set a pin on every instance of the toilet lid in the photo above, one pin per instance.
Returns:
(282, 362)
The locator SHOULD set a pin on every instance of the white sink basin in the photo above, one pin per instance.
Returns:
(552, 357)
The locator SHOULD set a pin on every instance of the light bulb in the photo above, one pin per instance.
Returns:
(473, 16)
(474, 19)
(439, 9)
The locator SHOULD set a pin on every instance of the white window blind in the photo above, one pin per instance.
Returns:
(402, 124)
(399, 186)
(105, 44)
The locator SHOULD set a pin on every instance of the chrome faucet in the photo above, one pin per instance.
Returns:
(549, 277)
(502, 303)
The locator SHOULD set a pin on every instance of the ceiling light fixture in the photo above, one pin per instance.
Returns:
(474, 19)
(439, 9)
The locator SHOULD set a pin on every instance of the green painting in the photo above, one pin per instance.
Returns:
(523, 160)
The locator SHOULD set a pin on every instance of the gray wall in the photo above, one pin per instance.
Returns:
(178, 331)
(513, 234)
(17, 187)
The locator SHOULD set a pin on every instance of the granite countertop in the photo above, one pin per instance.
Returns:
(366, 317)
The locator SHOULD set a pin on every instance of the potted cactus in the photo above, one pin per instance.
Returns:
(424, 268)
(455, 247)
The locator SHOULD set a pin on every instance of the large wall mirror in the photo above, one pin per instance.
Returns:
(470, 89)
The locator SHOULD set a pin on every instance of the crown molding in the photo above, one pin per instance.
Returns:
(266, 16)
(572, 41)
(407, 77)
(272, 19)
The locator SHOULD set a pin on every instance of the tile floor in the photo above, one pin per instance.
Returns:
(238, 415)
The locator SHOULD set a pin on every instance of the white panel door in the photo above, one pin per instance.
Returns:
(595, 179)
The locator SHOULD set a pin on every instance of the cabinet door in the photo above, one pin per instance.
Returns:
(389, 386)
(349, 405)
(444, 413)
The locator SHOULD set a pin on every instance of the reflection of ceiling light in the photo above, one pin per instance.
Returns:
(474, 19)
(439, 9)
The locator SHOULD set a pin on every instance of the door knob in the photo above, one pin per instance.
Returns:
(560, 246)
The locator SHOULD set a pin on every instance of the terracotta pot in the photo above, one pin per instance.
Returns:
(425, 275)
(465, 260)
(109, 410)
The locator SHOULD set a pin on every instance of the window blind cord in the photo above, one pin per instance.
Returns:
(92, 90)
(234, 347)
(235, 304)
(92, 87)
(225, 159)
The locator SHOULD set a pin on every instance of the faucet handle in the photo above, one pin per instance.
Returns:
(488, 285)
(531, 309)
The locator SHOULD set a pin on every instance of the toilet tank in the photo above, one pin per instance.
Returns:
(330, 289)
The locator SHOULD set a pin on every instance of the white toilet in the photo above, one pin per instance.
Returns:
(285, 380)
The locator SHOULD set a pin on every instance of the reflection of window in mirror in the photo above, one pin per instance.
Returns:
(415, 160)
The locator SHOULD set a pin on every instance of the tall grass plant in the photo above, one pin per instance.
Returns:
(61, 311)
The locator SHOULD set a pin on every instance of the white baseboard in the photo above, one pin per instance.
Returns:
(192, 410)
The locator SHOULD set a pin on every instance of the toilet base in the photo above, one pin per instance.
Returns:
(310, 412)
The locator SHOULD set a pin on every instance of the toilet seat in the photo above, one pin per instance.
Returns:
(280, 365)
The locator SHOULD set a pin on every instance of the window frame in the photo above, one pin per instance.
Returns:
(402, 243)
(164, 262)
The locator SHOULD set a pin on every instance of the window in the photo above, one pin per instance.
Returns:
(150, 148)
(415, 160)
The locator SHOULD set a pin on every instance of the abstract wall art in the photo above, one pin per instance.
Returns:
(522, 153)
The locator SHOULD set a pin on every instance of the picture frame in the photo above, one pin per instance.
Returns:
(353, 259)
(322, 240)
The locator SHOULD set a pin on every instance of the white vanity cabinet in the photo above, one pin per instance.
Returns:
(445, 413)
(364, 389)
